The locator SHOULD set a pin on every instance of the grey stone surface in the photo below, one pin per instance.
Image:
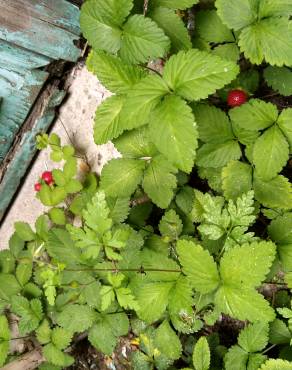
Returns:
(75, 124)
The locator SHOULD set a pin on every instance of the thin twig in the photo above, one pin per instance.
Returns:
(145, 7)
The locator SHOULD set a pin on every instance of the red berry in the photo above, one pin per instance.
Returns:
(37, 186)
(48, 177)
(236, 98)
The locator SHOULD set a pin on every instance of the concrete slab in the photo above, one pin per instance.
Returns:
(75, 123)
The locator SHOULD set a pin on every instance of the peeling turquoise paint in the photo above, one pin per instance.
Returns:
(33, 33)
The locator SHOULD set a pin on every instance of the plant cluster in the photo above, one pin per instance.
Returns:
(191, 229)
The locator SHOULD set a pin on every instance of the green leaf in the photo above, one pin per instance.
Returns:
(247, 265)
(274, 8)
(96, 215)
(76, 318)
(213, 124)
(159, 181)
(175, 4)
(43, 332)
(142, 40)
(100, 23)
(201, 354)
(218, 154)
(280, 229)
(9, 286)
(255, 360)
(279, 79)
(173, 131)
(196, 74)
(16, 244)
(236, 179)
(170, 225)
(243, 304)
(57, 357)
(236, 358)
(61, 338)
(57, 216)
(120, 177)
(276, 365)
(29, 311)
(167, 341)
(126, 299)
(270, 153)
(105, 332)
(61, 246)
(227, 51)
(108, 124)
(275, 193)
(24, 272)
(254, 337)
(198, 266)
(269, 40)
(254, 115)
(211, 28)
(237, 15)
(173, 27)
(91, 294)
(24, 231)
(284, 122)
(119, 208)
(279, 333)
(141, 100)
(4, 339)
(112, 72)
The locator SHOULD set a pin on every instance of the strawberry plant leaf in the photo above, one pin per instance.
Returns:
(218, 154)
(279, 332)
(284, 122)
(57, 357)
(274, 8)
(167, 341)
(254, 337)
(280, 229)
(236, 179)
(173, 131)
(201, 354)
(170, 225)
(61, 338)
(175, 4)
(227, 51)
(76, 318)
(4, 339)
(279, 79)
(236, 358)
(211, 28)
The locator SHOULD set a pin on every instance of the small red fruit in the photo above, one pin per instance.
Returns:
(236, 98)
(48, 177)
(37, 186)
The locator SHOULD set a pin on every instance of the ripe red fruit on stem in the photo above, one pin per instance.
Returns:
(48, 177)
(37, 186)
(236, 98)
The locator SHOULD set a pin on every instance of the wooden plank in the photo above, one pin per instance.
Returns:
(24, 148)
(21, 26)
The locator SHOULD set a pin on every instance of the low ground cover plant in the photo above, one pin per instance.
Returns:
(185, 242)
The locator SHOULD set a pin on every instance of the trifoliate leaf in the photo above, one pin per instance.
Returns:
(270, 153)
(213, 124)
(120, 177)
(196, 74)
(167, 341)
(57, 357)
(279, 332)
(24, 231)
(211, 28)
(142, 40)
(201, 354)
(254, 115)
(236, 179)
(276, 365)
(243, 304)
(227, 51)
(280, 229)
(247, 265)
(198, 266)
(237, 15)
(269, 40)
(61, 338)
(159, 181)
(175, 4)
(107, 124)
(101, 21)
(173, 27)
(275, 193)
(105, 332)
(279, 79)
(254, 337)
(218, 154)
(76, 318)
(173, 131)
(4, 339)
(285, 124)
(170, 225)
(274, 8)
(141, 100)
(235, 359)
(136, 144)
(112, 72)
